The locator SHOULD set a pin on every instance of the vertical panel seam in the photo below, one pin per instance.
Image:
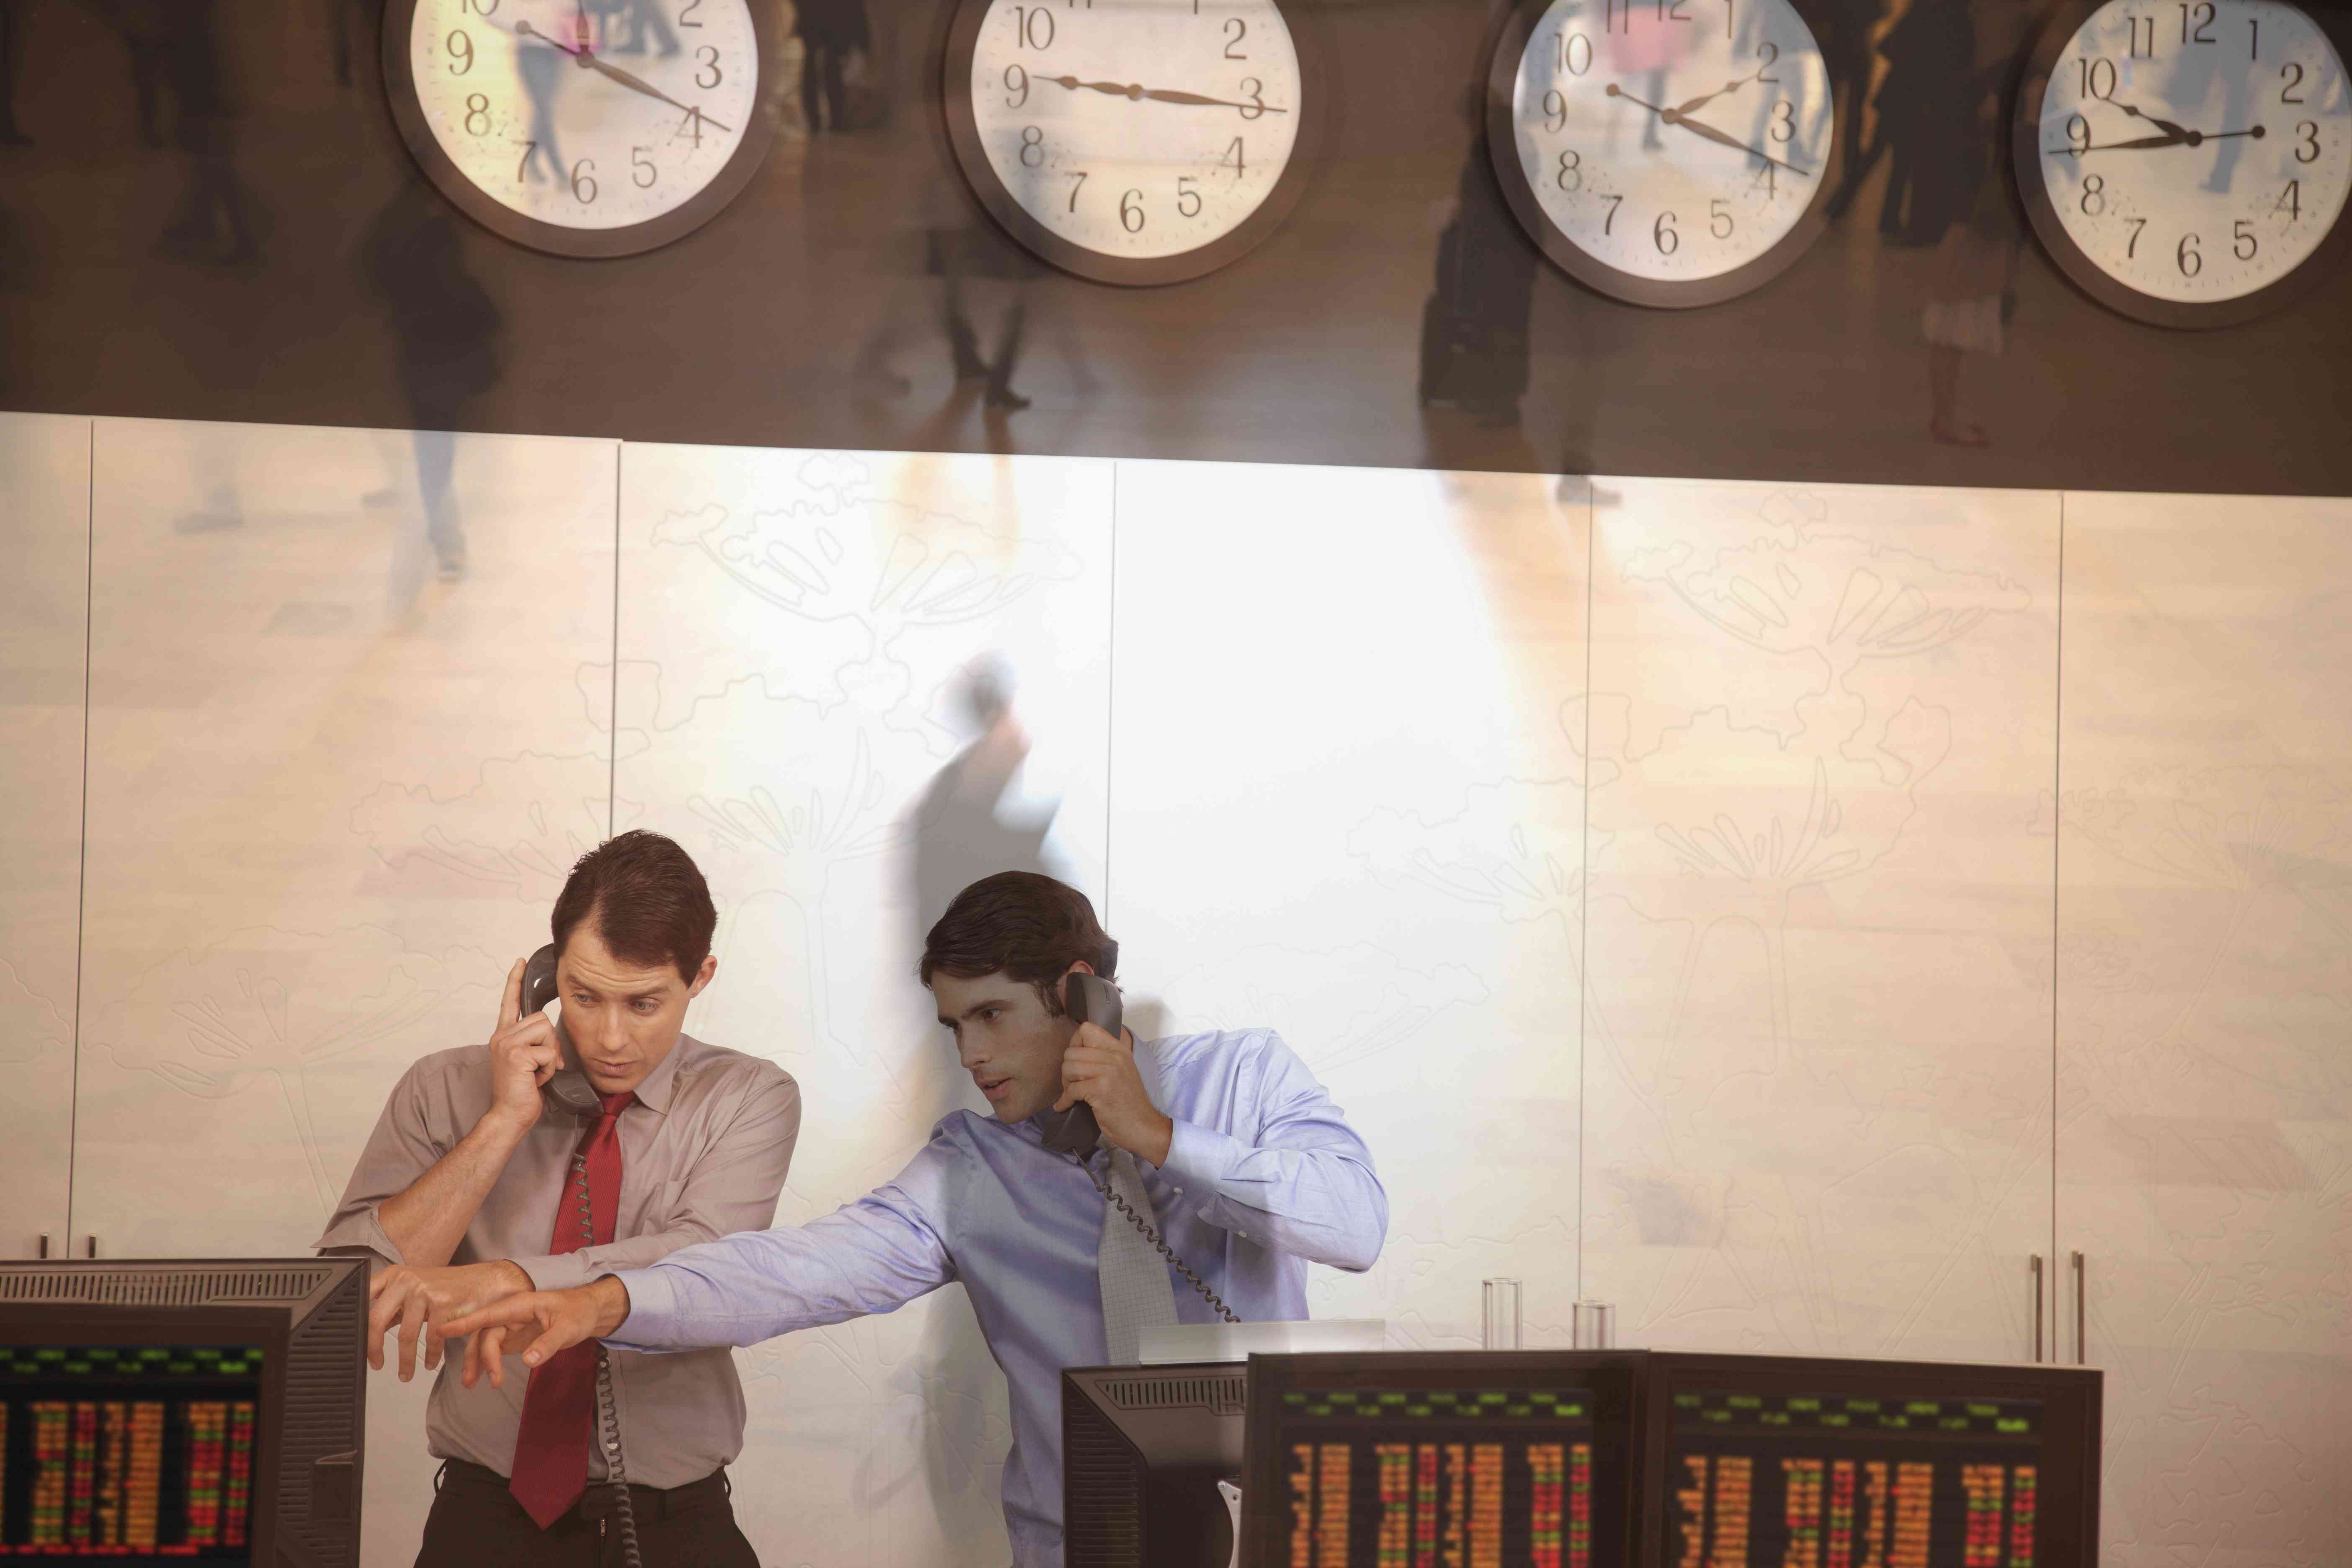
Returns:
(81, 868)
(2057, 843)
(1584, 898)
(612, 692)
(1111, 691)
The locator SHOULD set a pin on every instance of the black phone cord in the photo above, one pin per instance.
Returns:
(1151, 1236)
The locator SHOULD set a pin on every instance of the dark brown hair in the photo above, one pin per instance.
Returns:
(650, 901)
(1023, 925)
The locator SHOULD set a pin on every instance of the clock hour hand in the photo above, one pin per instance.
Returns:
(2178, 133)
(1706, 97)
(632, 83)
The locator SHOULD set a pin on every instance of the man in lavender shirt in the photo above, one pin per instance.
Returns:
(1249, 1169)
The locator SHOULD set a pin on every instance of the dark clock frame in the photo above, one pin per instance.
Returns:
(2088, 275)
(1508, 43)
(1135, 272)
(408, 113)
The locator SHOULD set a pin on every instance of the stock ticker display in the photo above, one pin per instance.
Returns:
(127, 1451)
(1467, 1478)
(1797, 1480)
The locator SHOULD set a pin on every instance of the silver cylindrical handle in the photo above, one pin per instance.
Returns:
(2035, 1265)
(2081, 1315)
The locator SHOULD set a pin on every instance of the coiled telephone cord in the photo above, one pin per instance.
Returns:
(607, 1411)
(1151, 1236)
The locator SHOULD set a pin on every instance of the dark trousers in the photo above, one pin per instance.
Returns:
(476, 1523)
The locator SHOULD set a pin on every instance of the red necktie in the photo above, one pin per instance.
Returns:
(559, 1408)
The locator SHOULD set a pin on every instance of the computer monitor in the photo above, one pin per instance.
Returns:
(1500, 1460)
(169, 1412)
(1142, 1451)
(1768, 1460)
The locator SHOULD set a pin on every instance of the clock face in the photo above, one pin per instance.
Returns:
(1668, 151)
(591, 128)
(2191, 156)
(1131, 141)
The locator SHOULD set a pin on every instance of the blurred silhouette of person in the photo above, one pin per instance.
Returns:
(181, 100)
(1473, 328)
(2192, 82)
(1973, 293)
(1925, 106)
(540, 65)
(445, 328)
(963, 830)
(830, 31)
(642, 18)
(1842, 29)
(12, 69)
(342, 15)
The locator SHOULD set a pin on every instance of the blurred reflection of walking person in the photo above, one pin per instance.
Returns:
(1473, 328)
(1925, 108)
(1973, 294)
(830, 31)
(175, 58)
(445, 328)
(12, 69)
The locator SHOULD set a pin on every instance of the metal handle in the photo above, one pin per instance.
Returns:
(2082, 1346)
(2036, 1267)
(45, 1239)
(90, 1243)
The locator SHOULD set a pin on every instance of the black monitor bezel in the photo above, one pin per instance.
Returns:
(270, 1327)
(1265, 1520)
(2072, 1432)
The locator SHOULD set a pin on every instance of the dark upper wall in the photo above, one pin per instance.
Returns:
(805, 315)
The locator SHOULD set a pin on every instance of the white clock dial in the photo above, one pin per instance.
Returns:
(586, 116)
(2196, 153)
(1136, 129)
(1675, 141)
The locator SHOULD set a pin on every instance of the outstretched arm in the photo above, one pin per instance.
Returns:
(872, 1256)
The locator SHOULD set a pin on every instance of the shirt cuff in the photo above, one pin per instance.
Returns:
(364, 1230)
(559, 1271)
(1201, 1155)
(653, 1310)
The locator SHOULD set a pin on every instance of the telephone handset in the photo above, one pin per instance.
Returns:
(569, 1090)
(1091, 999)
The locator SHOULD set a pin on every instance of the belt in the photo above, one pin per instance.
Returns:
(597, 1503)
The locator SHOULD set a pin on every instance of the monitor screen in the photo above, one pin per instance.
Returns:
(1775, 1465)
(128, 1450)
(1481, 1460)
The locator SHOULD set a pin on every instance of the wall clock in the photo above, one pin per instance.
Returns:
(2186, 164)
(578, 128)
(1132, 141)
(1668, 152)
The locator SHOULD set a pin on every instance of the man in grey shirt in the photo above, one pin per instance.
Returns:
(474, 1186)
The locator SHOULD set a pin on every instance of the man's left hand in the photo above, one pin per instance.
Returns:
(420, 1300)
(1101, 1071)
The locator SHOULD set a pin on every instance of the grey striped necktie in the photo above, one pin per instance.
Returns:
(1135, 1290)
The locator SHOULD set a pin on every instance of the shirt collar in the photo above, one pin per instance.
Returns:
(661, 1084)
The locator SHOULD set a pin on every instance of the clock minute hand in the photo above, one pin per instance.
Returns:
(1712, 134)
(524, 29)
(1136, 90)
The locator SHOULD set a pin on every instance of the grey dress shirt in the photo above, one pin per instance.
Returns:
(704, 1152)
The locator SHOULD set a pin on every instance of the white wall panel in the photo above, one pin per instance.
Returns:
(2205, 1088)
(44, 539)
(1819, 1013)
(331, 799)
(1345, 806)
(807, 641)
